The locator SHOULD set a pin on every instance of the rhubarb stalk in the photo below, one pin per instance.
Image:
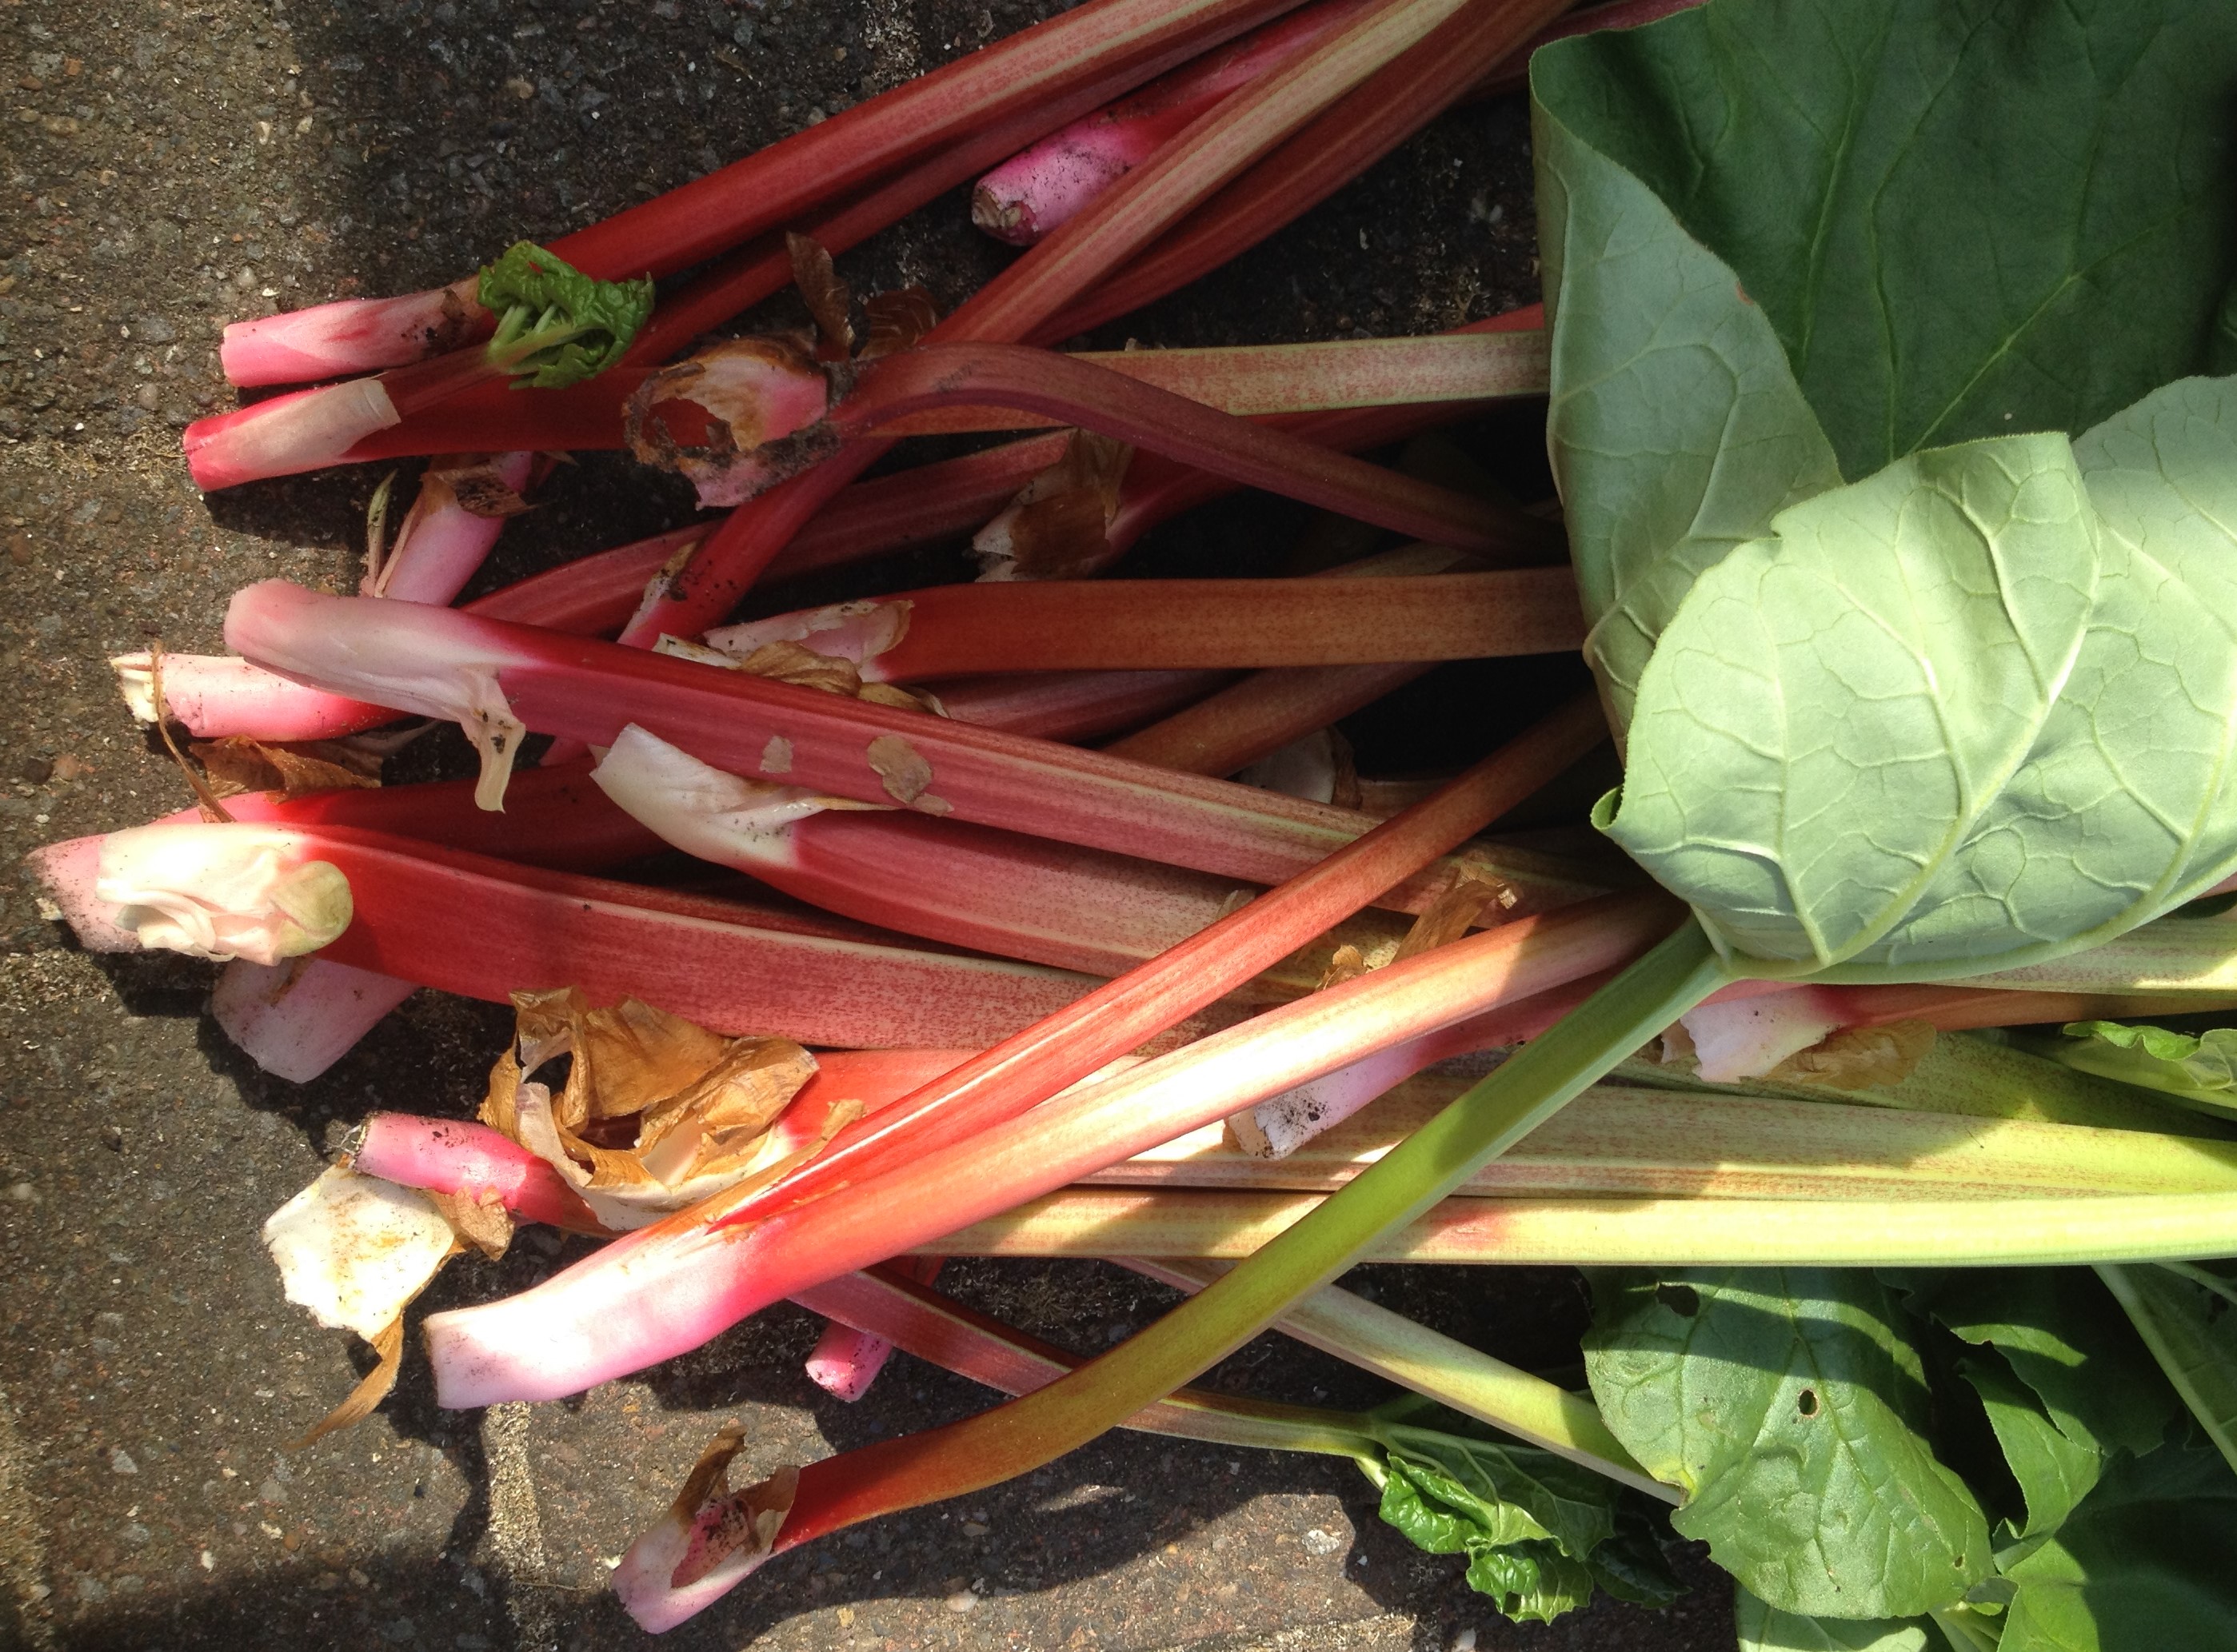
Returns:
(502, 677)
(1211, 151)
(767, 189)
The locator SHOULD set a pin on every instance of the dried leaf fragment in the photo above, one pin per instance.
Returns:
(238, 763)
(1859, 1058)
(904, 774)
(1455, 911)
(898, 321)
(373, 1387)
(483, 1221)
(657, 1112)
(1058, 526)
(821, 289)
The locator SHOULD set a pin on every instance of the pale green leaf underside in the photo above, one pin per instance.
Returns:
(1674, 424)
(1973, 708)
(1786, 1405)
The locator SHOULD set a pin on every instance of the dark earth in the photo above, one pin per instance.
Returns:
(170, 167)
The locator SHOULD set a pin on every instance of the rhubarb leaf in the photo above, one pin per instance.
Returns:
(1765, 1628)
(1975, 707)
(2066, 1340)
(2199, 1071)
(2142, 1565)
(1787, 1405)
(2186, 1316)
(1539, 1531)
(1960, 217)
(555, 325)
(1675, 426)
(2055, 1472)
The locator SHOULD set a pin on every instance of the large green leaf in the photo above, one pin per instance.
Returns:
(1960, 217)
(2188, 1317)
(2066, 1337)
(1977, 707)
(1765, 1628)
(1789, 1407)
(2054, 1471)
(2142, 1565)
(1676, 429)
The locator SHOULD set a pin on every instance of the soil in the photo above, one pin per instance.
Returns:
(170, 167)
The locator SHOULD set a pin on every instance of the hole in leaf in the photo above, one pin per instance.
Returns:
(1682, 1300)
(1807, 1402)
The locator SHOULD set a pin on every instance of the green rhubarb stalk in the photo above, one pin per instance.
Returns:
(1015, 1438)
(1683, 1232)
(1471, 1382)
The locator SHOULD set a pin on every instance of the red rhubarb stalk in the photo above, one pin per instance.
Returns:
(771, 187)
(1312, 163)
(668, 1287)
(1251, 719)
(295, 1020)
(214, 696)
(501, 677)
(1171, 624)
(1210, 152)
(1031, 194)
(1048, 185)
(484, 928)
(1114, 404)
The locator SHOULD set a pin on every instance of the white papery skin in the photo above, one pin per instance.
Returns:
(355, 1249)
(434, 662)
(1746, 1037)
(221, 891)
(702, 810)
(859, 631)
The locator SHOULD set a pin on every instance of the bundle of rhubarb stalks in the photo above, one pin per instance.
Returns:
(1866, 1046)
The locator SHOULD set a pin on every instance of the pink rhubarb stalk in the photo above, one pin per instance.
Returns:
(1050, 275)
(847, 1359)
(215, 695)
(996, 891)
(1314, 159)
(498, 678)
(775, 186)
(1048, 185)
(451, 527)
